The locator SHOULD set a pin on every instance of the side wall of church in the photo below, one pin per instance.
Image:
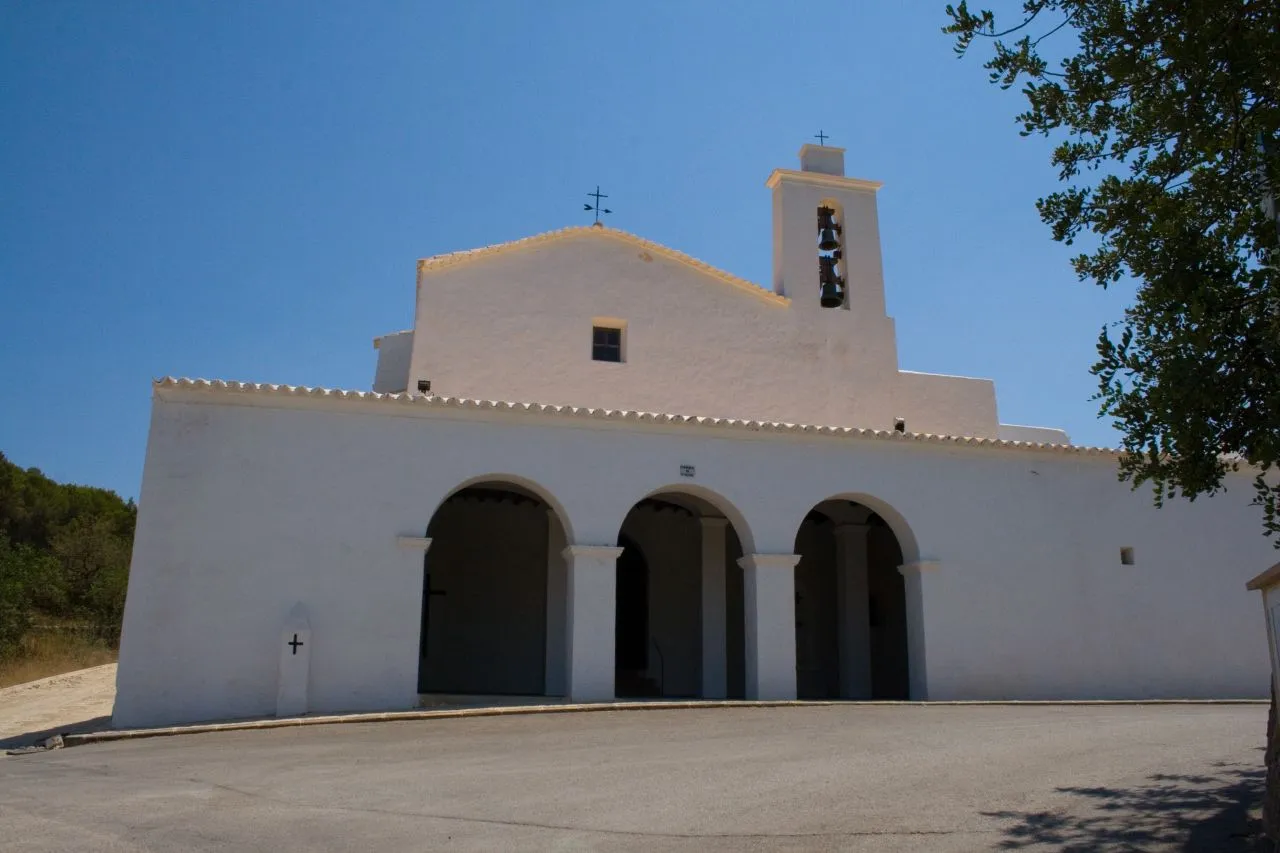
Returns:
(517, 326)
(253, 503)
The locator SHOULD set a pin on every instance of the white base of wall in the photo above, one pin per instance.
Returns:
(479, 700)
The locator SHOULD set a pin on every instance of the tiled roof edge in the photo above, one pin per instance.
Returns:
(454, 258)
(585, 413)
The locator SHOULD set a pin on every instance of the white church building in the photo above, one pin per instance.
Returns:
(599, 468)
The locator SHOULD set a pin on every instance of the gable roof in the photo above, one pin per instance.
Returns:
(453, 259)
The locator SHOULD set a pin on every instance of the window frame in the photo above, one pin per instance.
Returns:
(608, 348)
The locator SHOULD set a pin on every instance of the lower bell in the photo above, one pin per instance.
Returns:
(832, 295)
(832, 284)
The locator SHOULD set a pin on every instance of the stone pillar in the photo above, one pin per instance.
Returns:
(414, 550)
(852, 611)
(916, 578)
(715, 646)
(554, 679)
(591, 590)
(768, 592)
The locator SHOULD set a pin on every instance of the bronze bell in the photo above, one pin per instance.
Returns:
(827, 230)
(832, 284)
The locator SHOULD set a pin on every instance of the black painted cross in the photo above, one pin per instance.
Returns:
(295, 642)
(430, 589)
(821, 137)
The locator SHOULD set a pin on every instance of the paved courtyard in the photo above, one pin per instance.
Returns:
(818, 778)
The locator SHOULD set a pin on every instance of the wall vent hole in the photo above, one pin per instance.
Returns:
(1126, 556)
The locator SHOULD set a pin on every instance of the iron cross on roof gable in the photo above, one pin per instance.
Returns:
(821, 137)
(597, 195)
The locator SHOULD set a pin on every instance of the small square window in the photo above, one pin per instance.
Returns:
(606, 343)
(1126, 557)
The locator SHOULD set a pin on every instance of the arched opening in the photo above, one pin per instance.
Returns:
(631, 624)
(495, 547)
(851, 609)
(679, 629)
(831, 264)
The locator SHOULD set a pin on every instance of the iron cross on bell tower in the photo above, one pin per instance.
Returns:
(597, 195)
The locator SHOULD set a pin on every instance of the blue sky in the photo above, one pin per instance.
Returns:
(240, 190)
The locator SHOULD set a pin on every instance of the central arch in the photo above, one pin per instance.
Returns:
(679, 628)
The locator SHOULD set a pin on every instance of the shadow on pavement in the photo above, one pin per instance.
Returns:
(1193, 814)
(93, 724)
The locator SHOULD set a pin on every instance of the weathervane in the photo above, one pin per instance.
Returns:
(597, 195)
(821, 137)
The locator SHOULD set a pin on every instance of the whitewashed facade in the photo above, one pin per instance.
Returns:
(752, 500)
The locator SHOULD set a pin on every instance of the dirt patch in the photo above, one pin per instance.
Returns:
(73, 701)
(45, 657)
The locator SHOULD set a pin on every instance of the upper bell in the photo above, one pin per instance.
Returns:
(827, 230)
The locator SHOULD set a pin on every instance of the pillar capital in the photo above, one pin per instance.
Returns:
(919, 567)
(591, 552)
(769, 561)
(414, 543)
(713, 522)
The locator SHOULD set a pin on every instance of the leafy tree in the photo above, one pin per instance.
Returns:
(106, 601)
(20, 567)
(87, 547)
(1166, 115)
(64, 554)
(15, 615)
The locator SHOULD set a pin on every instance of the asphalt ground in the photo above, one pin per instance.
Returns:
(859, 778)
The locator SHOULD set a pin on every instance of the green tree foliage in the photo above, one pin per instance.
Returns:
(15, 595)
(64, 554)
(1166, 118)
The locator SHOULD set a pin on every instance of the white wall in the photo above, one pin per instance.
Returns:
(946, 405)
(394, 353)
(517, 326)
(254, 501)
(1040, 435)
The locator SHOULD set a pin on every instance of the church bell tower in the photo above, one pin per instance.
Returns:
(826, 236)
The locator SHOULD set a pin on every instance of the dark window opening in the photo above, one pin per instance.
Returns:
(606, 344)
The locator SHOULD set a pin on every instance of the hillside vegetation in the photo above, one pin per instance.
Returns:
(64, 567)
